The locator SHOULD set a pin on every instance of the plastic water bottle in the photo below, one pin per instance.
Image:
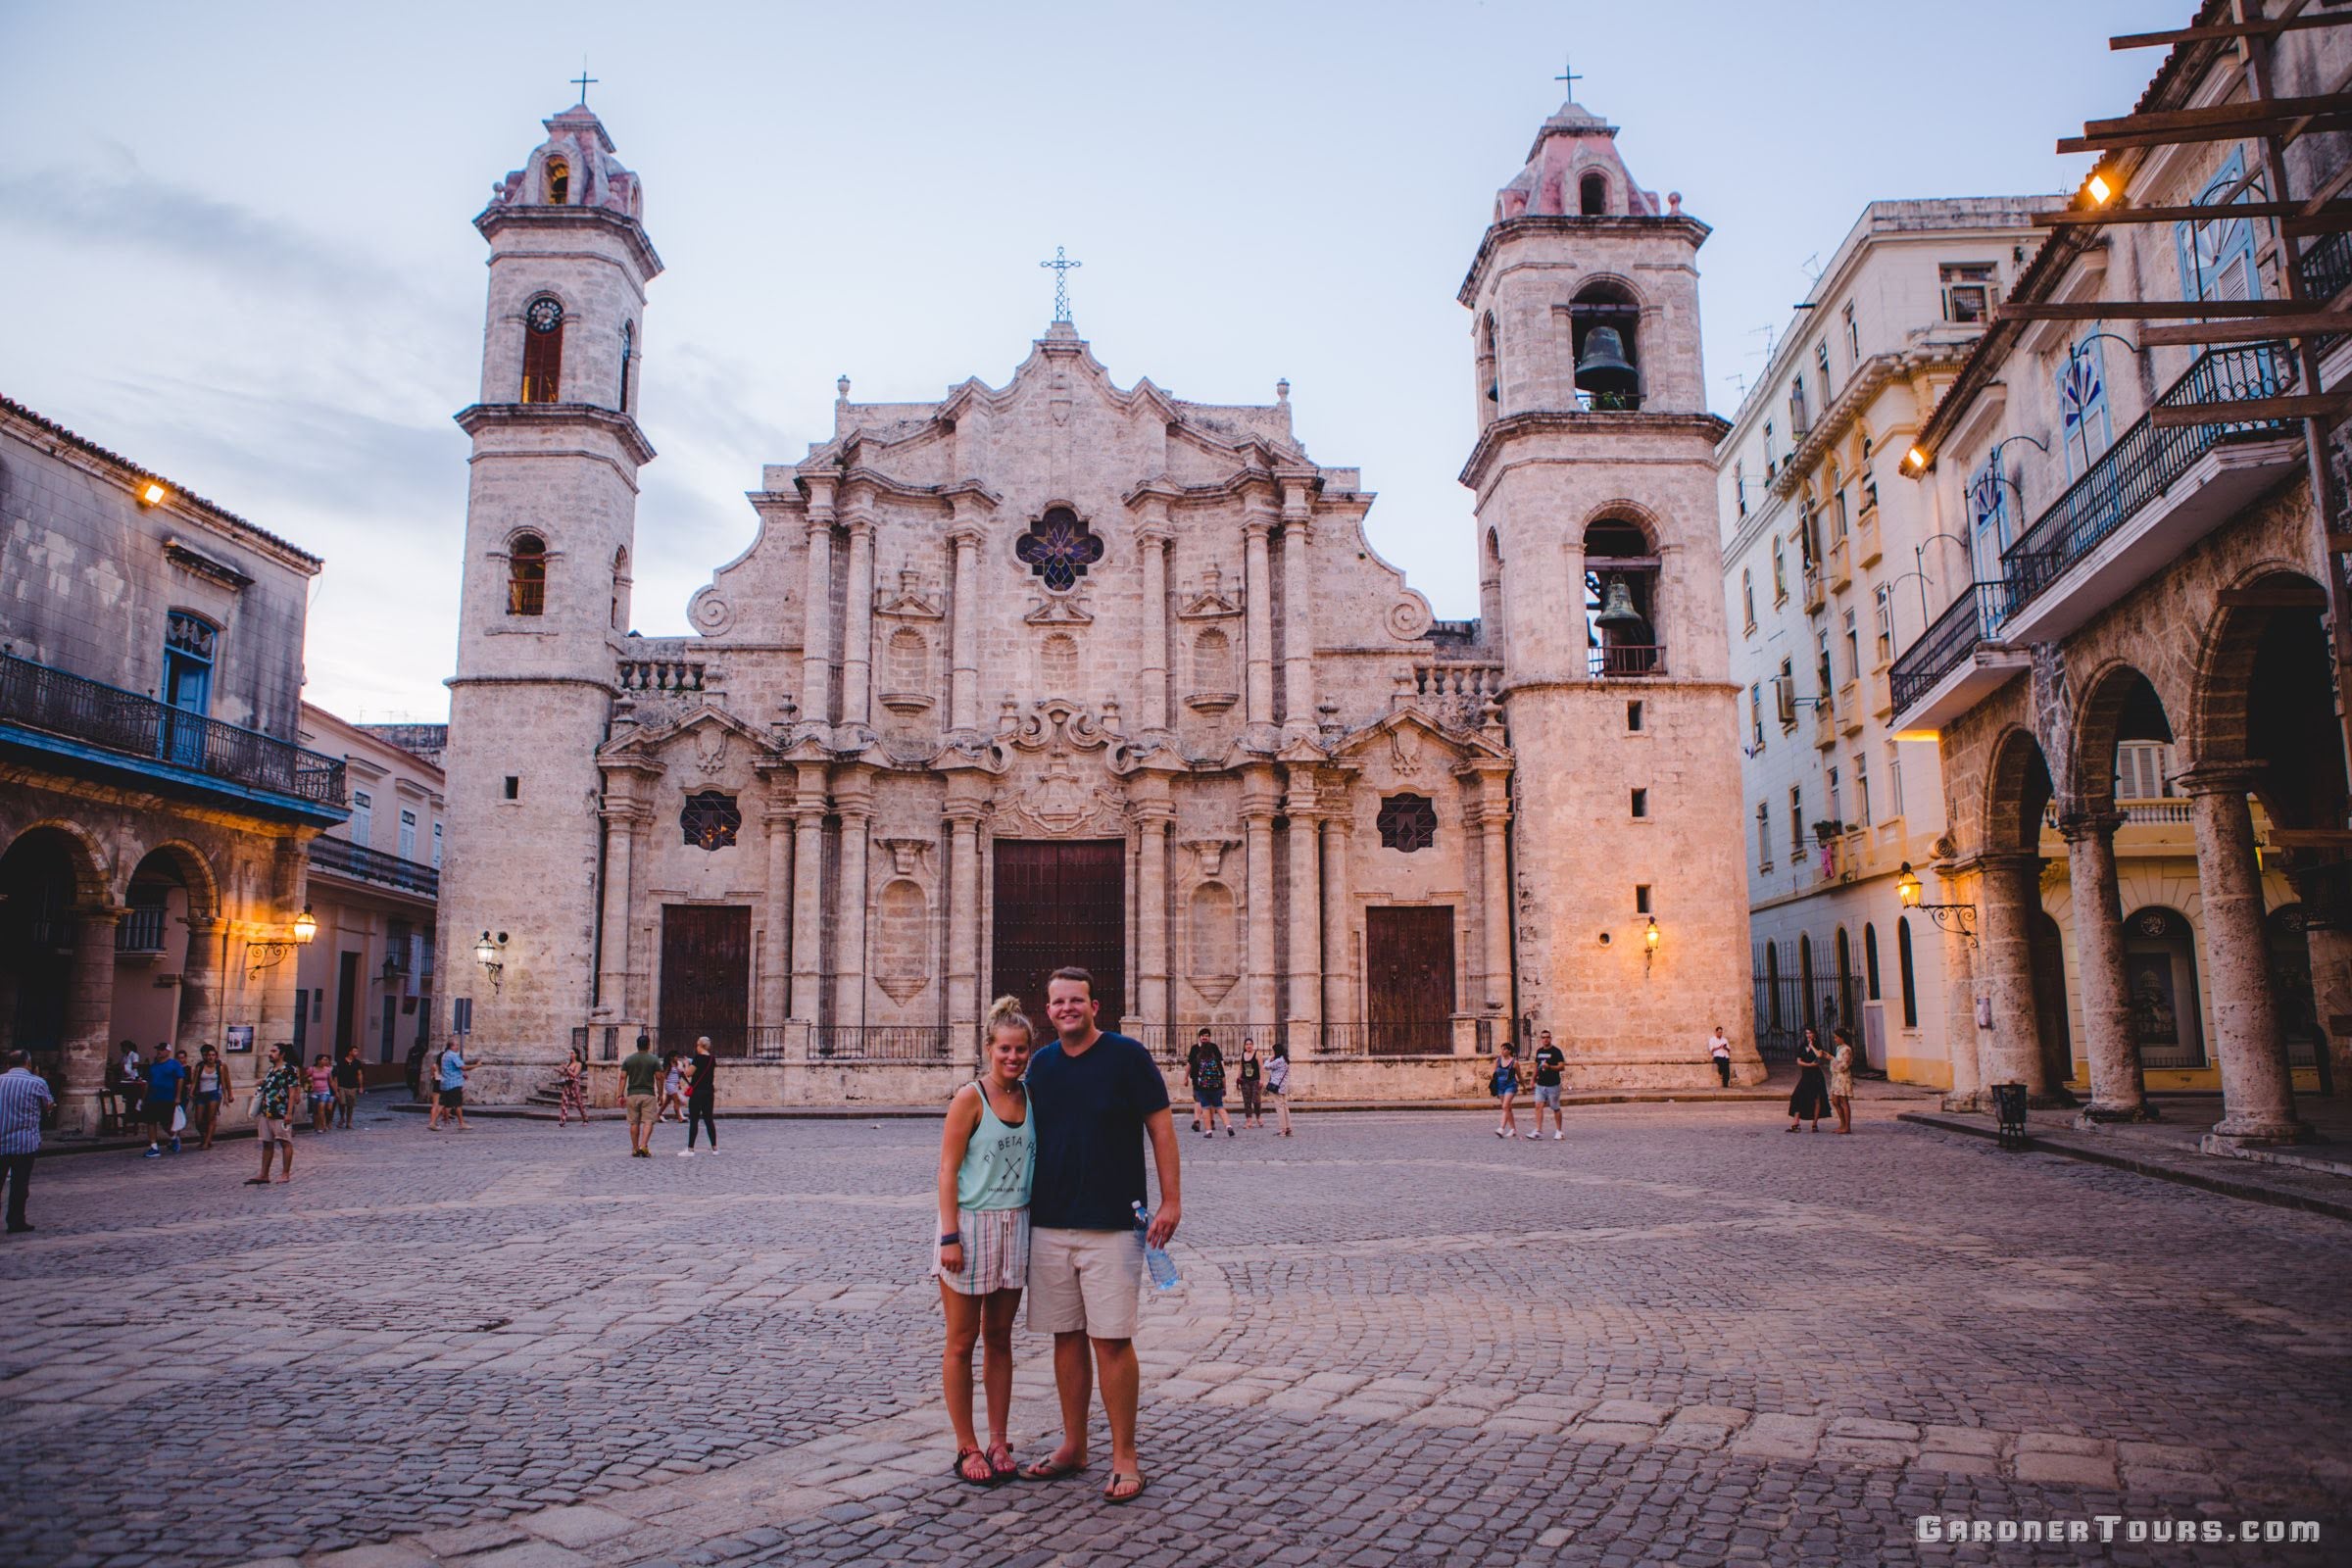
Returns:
(1155, 1258)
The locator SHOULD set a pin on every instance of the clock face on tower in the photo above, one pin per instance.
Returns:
(544, 315)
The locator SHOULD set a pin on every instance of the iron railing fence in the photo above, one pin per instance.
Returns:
(129, 724)
(1948, 643)
(2144, 463)
(1615, 660)
(923, 1043)
(1788, 1005)
(1418, 1037)
(141, 930)
(375, 865)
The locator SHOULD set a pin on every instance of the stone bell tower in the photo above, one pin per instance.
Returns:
(549, 528)
(1594, 485)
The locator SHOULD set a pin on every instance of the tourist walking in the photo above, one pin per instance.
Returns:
(1841, 1077)
(273, 1112)
(350, 1079)
(1278, 1084)
(575, 1090)
(987, 1159)
(701, 1095)
(1811, 1101)
(1719, 1050)
(641, 1091)
(24, 1097)
(449, 1098)
(1549, 1059)
(211, 1088)
(673, 1088)
(1202, 1044)
(414, 1073)
(1096, 1098)
(323, 1092)
(167, 1088)
(1249, 1074)
(1208, 1089)
(1506, 1088)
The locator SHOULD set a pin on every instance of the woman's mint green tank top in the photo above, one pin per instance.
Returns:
(997, 1162)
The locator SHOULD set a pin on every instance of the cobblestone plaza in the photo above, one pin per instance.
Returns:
(1679, 1336)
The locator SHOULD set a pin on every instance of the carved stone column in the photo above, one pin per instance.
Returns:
(809, 894)
(1959, 997)
(1304, 1004)
(1152, 539)
(2012, 1054)
(2117, 1093)
(89, 1015)
(816, 610)
(1259, 711)
(1153, 813)
(963, 674)
(853, 795)
(775, 913)
(620, 815)
(1298, 610)
(1340, 1003)
(858, 632)
(1257, 834)
(963, 813)
(200, 982)
(1494, 883)
(2258, 1105)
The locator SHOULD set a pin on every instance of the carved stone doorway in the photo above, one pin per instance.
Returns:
(706, 976)
(1408, 984)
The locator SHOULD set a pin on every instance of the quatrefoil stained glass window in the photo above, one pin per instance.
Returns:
(711, 819)
(1408, 822)
(1058, 548)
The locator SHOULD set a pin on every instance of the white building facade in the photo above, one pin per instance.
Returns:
(1830, 567)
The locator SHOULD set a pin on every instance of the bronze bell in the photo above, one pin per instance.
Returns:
(1603, 368)
(1618, 619)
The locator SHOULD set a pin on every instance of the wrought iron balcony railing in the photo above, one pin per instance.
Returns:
(127, 724)
(2144, 463)
(2327, 268)
(1949, 643)
(1613, 660)
(375, 865)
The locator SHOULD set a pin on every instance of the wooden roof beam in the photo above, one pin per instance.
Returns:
(2227, 30)
(2235, 411)
(2231, 113)
(2319, 324)
(2261, 121)
(2145, 310)
(2200, 213)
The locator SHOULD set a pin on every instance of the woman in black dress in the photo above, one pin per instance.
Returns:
(1812, 1097)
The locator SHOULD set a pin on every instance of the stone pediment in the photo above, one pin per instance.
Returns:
(705, 739)
(1058, 798)
(1413, 745)
(917, 597)
(1060, 610)
(1208, 598)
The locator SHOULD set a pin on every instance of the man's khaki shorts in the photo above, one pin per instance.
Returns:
(643, 1110)
(1085, 1280)
(273, 1130)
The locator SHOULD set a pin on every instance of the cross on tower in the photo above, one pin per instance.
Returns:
(1061, 264)
(1568, 74)
(584, 82)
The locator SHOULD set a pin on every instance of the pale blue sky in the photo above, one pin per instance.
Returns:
(238, 238)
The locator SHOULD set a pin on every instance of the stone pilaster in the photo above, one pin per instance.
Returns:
(2257, 1094)
(858, 633)
(854, 797)
(1152, 540)
(1298, 610)
(775, 914)
(1154, 814)
(809, 894)
(964, 810)
(1257, 834)
(963, 674)
(1491, 986)
(2117, 1093)
(1339, 993)
(1258, 700)
(816, 612)
(1304, 1004)
(613, 990)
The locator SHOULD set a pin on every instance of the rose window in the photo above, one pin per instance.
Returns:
(1058, 548)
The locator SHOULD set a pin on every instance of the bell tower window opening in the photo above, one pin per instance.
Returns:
(1489, 360)
(559, 182)
(1408, 822)
(1058, 548)
(1593, 195)
(542, 349)
(526, 575)
(1621, 592)
(1605, 337)
(629, 361)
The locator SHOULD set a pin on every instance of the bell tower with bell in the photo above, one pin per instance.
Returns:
(1602, 585)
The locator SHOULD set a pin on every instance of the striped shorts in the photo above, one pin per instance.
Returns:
(996, 1252)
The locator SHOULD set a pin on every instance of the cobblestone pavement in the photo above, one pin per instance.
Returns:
(1679, 1336)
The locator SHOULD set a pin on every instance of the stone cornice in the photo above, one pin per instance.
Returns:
(1839, 418)
(629, 232)
(1510, 229)
(482, 417)
(1574, 421)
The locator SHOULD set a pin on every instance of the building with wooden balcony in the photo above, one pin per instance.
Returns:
(1807, 498)
(366, 977)
(156, 797)
(2135, 676)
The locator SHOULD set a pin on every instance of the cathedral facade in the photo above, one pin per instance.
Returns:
(1061, 672)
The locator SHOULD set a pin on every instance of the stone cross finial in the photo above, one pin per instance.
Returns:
(584, 82)
(1568, 75)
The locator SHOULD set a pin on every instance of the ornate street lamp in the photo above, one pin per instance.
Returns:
(1960, 917)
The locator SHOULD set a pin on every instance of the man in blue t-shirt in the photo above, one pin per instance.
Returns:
(167, 1084)
(1093, 1098)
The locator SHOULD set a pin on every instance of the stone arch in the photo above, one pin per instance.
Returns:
(907, 669)
(2119, 703)
(1058, 664)
(195, 874)
(86, 856)
(1212, 662)
(2017, 791)
(1608, 302)
(1592, 193)
(2262, 695)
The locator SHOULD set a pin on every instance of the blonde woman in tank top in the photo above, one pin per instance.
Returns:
(987, 1156)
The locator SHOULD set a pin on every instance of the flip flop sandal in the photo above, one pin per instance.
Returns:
(1049, 1469)
(1118, 1502)
(961, 1471)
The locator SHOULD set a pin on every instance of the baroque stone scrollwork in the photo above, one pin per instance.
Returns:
(710, 613)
